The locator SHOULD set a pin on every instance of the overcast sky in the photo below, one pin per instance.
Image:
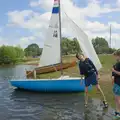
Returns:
(26, 21)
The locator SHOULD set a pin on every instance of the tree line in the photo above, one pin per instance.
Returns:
(12, 55)
(101, 46)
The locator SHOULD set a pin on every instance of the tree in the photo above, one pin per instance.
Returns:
(76, 46)
(101, 46)
(65, 46)
(111, 50)
(10, 54)
(100, 42)
(33, 50)
(70, 46)
(19, 52)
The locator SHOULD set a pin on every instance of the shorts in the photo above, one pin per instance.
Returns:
(116, 89)
(91, 80)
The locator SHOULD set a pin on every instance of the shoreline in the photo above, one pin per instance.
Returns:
(21, 63)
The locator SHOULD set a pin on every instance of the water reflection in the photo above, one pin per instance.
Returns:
(48, 106)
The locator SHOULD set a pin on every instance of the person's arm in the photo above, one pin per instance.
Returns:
(81, 72)
(91, 63)
(116, 71)
(113, 73)
(113, 78)
(81, 69)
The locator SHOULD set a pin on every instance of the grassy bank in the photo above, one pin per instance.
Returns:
(30, 61)
(26, 61)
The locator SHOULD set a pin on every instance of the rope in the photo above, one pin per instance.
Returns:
(54, 68)
(29, 72)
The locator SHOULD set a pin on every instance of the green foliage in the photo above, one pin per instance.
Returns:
(19, 52)
(33, 50)
(10, 54)
(100, 42)
(70, 46)
(101, 46)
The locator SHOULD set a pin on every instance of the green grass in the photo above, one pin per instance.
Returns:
(30, 59)
(107, 61)
(105, 82)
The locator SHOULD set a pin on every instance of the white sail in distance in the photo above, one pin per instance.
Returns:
(51, 50)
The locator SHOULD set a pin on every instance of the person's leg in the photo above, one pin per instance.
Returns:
(116, 91)
(117, 102)
(86, 96)
(102, 95)
(87, 83)
(118, 98)
(96, 83)
(101, 92)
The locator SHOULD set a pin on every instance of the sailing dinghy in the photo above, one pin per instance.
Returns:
(52, 55)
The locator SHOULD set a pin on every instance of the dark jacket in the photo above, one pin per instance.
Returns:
(87, 68)
(116, 77)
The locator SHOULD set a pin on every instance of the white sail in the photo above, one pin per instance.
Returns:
(85, 44)
(51, 49)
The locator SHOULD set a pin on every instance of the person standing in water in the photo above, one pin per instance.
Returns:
(88, 69)
(116, 82)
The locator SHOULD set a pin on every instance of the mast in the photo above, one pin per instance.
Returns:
(60, 37)
(110, 37)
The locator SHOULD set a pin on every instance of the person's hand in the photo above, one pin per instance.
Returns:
(113, 70)
(112, 80)
(98, 76)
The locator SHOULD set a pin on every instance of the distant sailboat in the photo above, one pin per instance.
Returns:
(52, 55)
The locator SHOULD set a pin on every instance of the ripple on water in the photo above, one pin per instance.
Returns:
(32, 106)
(23, 105)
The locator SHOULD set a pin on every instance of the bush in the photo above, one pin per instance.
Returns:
(10, 54)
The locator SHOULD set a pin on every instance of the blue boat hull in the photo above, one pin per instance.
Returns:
(67, 85)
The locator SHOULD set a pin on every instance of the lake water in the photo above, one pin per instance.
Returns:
(24, 105)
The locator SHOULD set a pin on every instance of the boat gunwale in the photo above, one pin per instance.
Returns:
(57, 79)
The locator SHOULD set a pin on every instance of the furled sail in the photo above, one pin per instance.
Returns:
(51, 49)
